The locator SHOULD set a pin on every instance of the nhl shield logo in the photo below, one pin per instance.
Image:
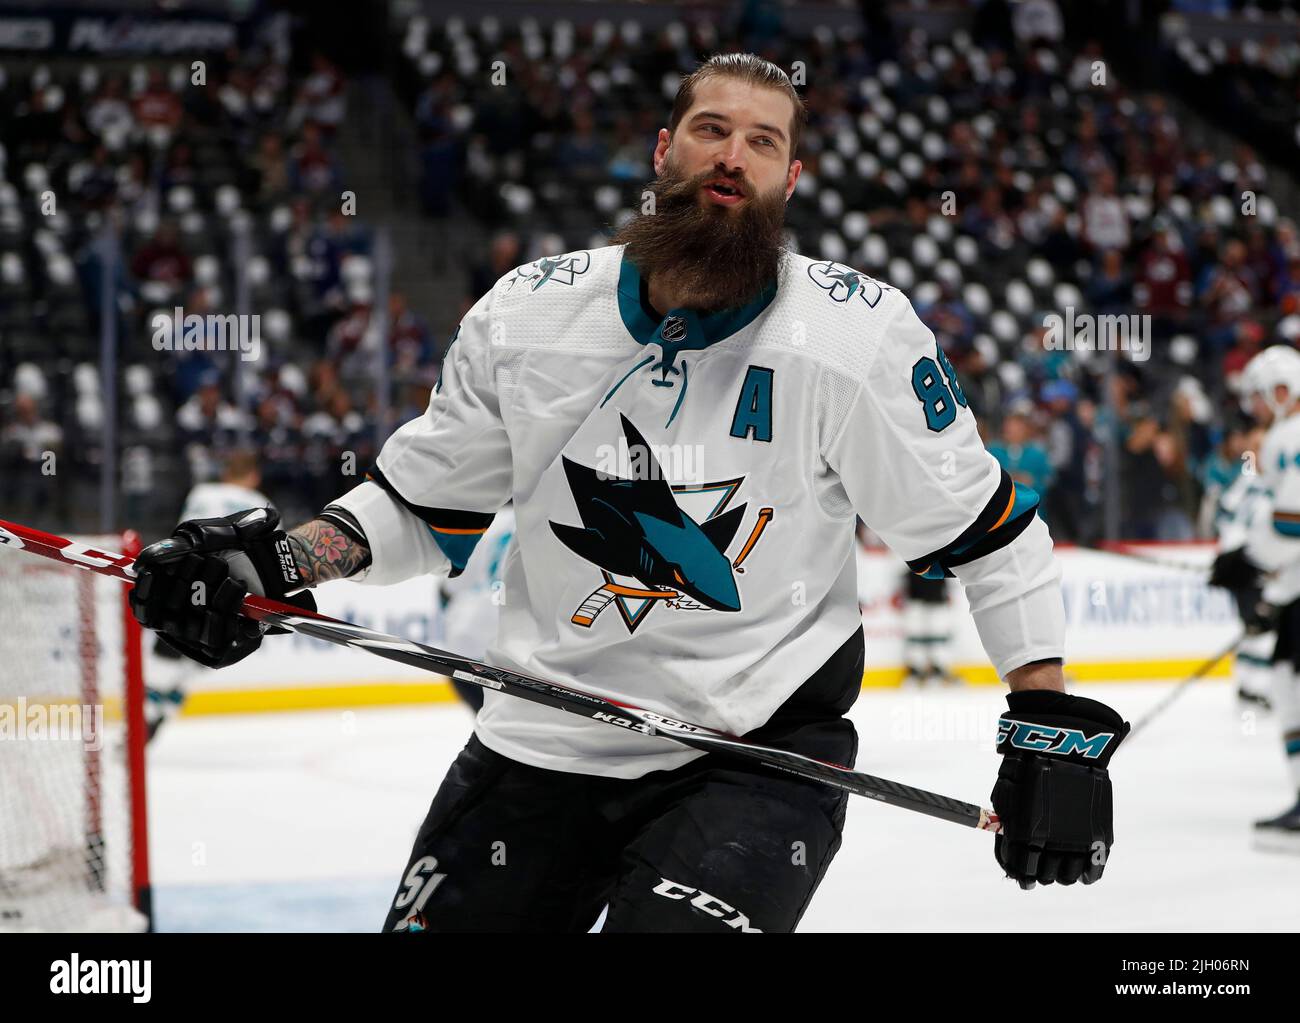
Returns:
(673, 330)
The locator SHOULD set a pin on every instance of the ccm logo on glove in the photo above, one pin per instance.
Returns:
(1046, 739)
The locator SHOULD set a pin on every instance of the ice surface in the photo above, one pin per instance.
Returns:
(303, 821)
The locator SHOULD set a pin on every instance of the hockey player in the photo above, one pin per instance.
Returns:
(171, 671)
(687, 422)
(1273, 547)
(927, 631)
(1240, 503)
(471, 603)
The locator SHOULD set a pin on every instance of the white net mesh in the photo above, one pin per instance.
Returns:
(65, 795)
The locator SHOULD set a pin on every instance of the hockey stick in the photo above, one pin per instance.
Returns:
(1182, 686)
(1120, 551)
(535, 690)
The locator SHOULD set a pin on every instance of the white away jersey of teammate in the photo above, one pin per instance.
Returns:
(685, 490)
(215, 500)
(472, 608)
(1274, 541)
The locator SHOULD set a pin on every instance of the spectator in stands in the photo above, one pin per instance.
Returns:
(1248, 337)
(30, 446)
(272, 167)
(441, 157)
(235, 95)
(980, 381)
(1110, 291)
(1204, 256)
(1163, 289)
(1105, 220)
(1188, 444)
(1059, 246)
(630, 160)
(1037, 22)
(1283, 251)
(1236, 451)
(1258, 263)
(162, 258)
(1019, 452)
(334, 430)
(208, 425)
(94, 182)
(322, 99)
(109, 115)
(1040, 363)
(1288, 287)
(311, 166)
(504, 254)
(1070, 509)
(409, 339)
(1141, 476)
(951, 320)
(180, 168)
(989, 222)
(583, 154)
(1230, 290)
(344, 342)
(156, 109)
(132, 180)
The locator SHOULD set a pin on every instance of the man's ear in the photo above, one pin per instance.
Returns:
(792, 175)
(662, 144)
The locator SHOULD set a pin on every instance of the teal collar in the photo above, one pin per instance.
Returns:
(644, 324)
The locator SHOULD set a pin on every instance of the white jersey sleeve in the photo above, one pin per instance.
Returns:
(440, 478)
(1273, 542)
(910, 458)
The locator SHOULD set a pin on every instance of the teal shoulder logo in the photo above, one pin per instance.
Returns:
(563, 269)
(843, 283)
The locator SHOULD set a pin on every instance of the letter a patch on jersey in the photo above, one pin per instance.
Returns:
(754, 407)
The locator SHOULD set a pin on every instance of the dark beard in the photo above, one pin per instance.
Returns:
(711, 256)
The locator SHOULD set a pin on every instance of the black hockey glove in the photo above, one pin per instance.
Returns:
(1236, 573)
(1053, 793)
(190, 587)
(1233, 570)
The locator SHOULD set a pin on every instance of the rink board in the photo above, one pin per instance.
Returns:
(1126, 619)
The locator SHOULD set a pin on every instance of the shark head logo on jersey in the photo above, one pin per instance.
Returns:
(634, 528)
(564, 269)
(843, 282)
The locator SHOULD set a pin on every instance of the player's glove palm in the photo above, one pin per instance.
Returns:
(190, 587)
(1233, 570)
(1053, 792)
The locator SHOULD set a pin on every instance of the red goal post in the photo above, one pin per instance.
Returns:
(74, 851)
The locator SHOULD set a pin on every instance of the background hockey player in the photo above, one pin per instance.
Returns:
(1236, 508)
(471, 603)
(170, 671)
(688, 422)
(927, 631)
(1273, 547)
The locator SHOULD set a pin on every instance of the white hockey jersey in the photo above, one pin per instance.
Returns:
(1241, 504)
(214, 500)
(685, 491)
(1274, 541)
(471, 610)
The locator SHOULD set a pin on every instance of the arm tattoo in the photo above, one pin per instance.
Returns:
(324, 552)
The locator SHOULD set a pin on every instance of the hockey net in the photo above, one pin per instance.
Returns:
(73, 836)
